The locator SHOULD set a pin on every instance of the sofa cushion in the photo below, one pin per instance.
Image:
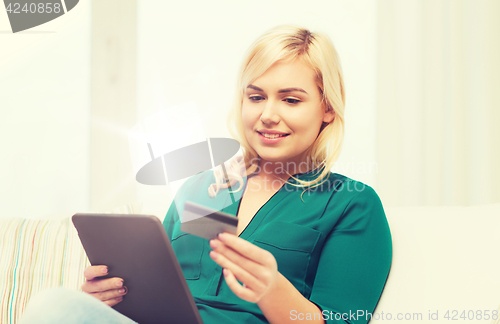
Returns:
(35, 255)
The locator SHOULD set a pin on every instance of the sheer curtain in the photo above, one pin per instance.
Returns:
(438, 102)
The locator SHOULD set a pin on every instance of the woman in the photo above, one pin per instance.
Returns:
(310, 245)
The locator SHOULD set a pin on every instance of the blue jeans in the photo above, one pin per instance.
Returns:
(62, 305)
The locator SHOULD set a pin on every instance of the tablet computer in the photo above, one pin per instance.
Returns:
(137, 249)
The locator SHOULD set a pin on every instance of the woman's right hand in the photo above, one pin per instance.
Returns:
(110, 290)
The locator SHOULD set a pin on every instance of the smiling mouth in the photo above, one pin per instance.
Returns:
(272, 135)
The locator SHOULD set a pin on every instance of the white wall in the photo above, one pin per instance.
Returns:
(188, 52)
(438, 102)
(44, 121)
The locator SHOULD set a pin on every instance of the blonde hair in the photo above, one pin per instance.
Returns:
(288, 43)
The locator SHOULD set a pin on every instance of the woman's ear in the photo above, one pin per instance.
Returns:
(329, 116)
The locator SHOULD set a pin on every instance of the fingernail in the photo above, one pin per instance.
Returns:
(225, 271)
(214, 244)
(213, 254)
(119, 283)
(124, 290)
(222, 237)
(104, 269)
(119, 298)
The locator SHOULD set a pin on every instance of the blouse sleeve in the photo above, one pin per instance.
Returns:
(354, 262)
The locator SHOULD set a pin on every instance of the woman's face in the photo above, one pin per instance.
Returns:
(285, 100)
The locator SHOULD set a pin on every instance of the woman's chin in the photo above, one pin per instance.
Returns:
(273, 158)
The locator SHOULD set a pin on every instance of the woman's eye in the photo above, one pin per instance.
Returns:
(292, 101)
(255, 98)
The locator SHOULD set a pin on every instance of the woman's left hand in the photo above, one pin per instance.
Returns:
(241, 260)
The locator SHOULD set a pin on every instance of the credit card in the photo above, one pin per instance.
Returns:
(206, 222)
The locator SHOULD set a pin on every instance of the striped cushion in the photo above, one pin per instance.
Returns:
(39, 254)
(35, 255)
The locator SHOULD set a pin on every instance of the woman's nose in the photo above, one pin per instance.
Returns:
(270, 113)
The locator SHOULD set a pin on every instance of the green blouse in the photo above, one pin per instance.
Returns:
(334, 245)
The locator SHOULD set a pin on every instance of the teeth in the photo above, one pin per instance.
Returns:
(272, 135)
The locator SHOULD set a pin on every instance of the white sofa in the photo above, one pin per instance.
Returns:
(445, 259)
